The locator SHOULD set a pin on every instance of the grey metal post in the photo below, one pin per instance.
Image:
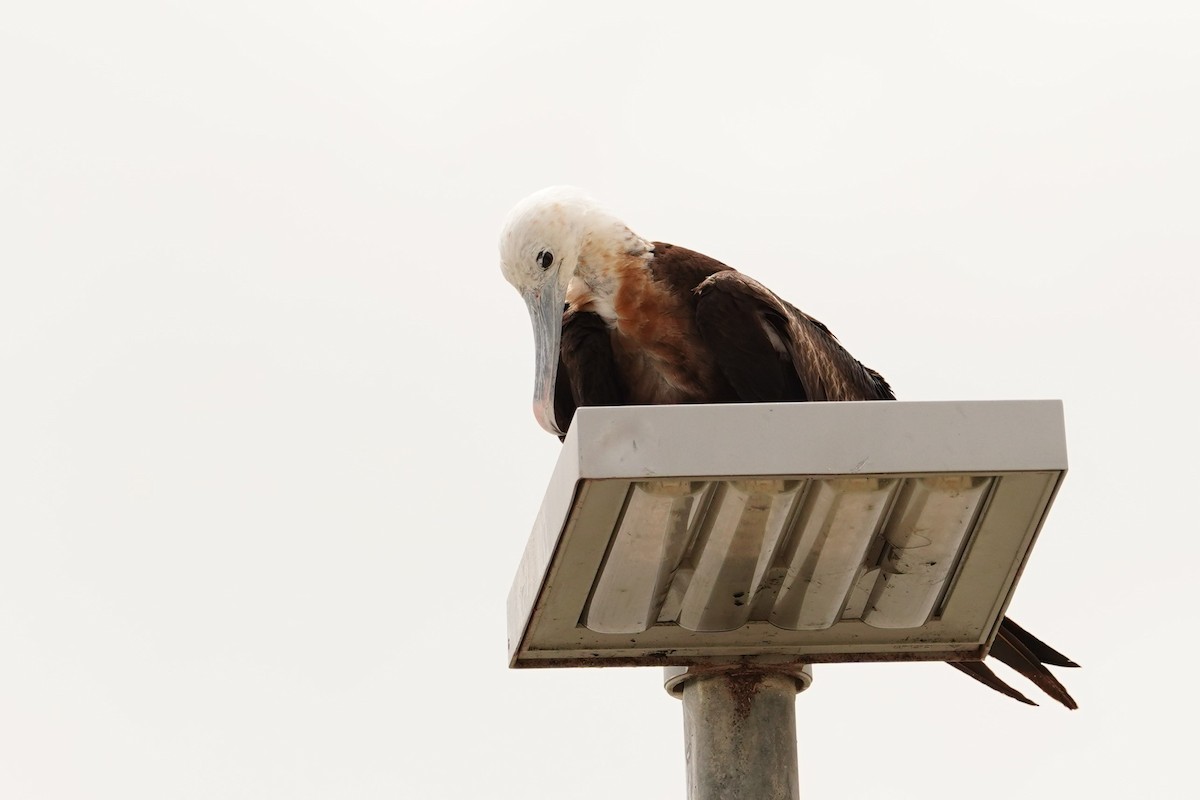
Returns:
(739, 728)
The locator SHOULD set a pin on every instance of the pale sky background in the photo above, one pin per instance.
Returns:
(267, 463)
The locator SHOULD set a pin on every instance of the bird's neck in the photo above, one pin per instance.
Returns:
(608, 259)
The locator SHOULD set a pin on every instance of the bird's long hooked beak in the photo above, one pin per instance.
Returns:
(545, 312)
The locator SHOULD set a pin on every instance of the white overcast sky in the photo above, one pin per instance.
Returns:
(267, 462)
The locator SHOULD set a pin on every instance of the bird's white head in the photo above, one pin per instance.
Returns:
(550, 238)
(541, 239)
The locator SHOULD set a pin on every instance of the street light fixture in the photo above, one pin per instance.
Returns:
(757, 539)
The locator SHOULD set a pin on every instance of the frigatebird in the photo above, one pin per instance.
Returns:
(622, 320)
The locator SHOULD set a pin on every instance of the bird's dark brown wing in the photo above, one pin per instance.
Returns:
(736, 321)
(681, 269)
(773, 352)
(587, 375)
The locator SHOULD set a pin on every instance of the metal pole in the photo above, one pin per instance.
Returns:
(739, 729)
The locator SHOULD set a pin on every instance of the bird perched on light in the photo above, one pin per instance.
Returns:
(622, 320)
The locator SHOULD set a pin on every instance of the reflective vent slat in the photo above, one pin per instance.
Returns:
(733, 551)
(652, 537)
(833, 532)
(924, 534)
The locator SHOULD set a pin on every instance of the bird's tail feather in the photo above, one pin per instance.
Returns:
(1028, 655)
(983, 673)
(1044, 652)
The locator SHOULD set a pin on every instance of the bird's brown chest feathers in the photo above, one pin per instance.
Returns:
(657, 349)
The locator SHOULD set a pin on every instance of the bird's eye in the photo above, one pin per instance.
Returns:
(545, 258)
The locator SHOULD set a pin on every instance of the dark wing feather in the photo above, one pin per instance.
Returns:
(983, 673)
(587, 374)
(681, 269)
(1026, 654)
(828, 367)
(1012, 647)
(773, 352)
(737, 323)
(1044, 652)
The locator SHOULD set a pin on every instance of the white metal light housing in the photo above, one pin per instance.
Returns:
(882, 531)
